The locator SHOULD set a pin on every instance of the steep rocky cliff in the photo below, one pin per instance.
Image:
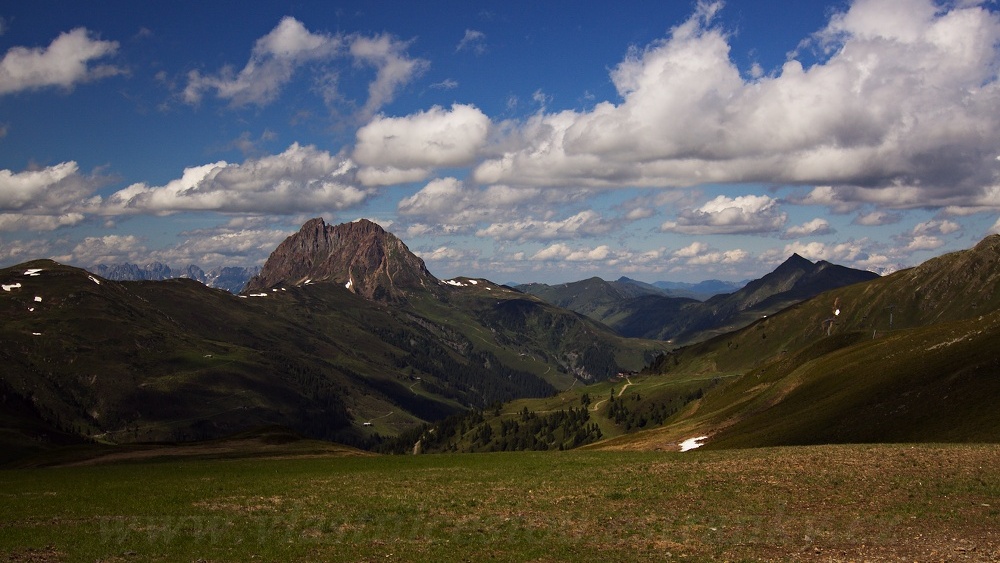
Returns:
(361, 255)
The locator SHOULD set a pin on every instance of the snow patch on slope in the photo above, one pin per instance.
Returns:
(692, 443)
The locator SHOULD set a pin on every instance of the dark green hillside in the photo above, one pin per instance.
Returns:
(636, 312)
(154, 360)
(933, 384)
(557, 344)
(810, 375)
(592, 297)
(956, 286)
(938, 383)
(701, 291)
(793, 281)
(175, 360)
(832, 369)
(653, 315)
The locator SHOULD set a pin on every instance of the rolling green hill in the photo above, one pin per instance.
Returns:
(910, 357)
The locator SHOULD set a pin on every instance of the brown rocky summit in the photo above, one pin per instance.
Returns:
(362, 256)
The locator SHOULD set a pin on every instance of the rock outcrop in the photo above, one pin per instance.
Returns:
(361, 256)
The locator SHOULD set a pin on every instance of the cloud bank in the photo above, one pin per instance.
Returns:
(301, 179)
(900, 110)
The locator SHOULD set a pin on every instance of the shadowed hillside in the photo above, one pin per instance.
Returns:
(910, 357)
(90, 358)
(642, 312)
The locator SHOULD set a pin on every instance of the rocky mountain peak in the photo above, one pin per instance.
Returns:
(362, 256)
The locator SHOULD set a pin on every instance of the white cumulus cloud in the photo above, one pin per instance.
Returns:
(226, 245)
(927, 235)
(847, 253)
(810, 228)
(47, 198)
(13, 251)
(734, 256)
(474, 41)
(301, 179)
(899, 111)
(448, 206)
(67, 61)
(395, 149)
(562, 252)
(447, 254)
(274, 59)
(107, 249)
(725, 215)
(876, 218)
(393, 66)
(584, 223)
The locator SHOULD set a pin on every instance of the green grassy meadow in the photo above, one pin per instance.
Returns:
(871, 502)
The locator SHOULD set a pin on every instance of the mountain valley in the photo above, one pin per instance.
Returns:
(910, 357)
(344, 335)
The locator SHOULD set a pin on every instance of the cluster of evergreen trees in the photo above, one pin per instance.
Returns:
(640, 414)
(562, 429)
(472, 432)
(631, 412)
(567, 428)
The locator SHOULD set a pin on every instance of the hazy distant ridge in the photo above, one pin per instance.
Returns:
(231, 278)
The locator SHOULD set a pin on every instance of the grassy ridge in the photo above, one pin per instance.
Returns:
(906, 358)
(842, 502)
(937, 383)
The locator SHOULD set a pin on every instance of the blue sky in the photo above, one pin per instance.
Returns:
(517, 141)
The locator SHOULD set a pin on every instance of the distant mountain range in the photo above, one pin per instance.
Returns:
(626, 287)
(701, 291)
(230, 278)
(635, 309)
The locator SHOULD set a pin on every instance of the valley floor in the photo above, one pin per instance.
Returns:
(824, 503)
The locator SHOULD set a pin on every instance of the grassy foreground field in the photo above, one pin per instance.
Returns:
(878, 502)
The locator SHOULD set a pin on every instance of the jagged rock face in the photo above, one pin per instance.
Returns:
(362, 256)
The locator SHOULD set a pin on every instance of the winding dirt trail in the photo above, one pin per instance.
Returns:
(380, 417)
(597, 405)
(624, 387)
